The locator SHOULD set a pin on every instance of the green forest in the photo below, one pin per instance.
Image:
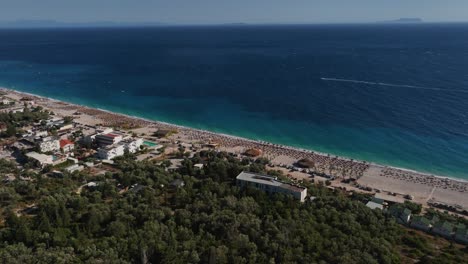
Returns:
(136, 214)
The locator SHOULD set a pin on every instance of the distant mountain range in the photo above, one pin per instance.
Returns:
(404, 20)
(58, 24)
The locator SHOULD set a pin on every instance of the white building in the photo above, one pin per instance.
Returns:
(13, 110)
(132, 144)
(110, 152)
(373, 205)
(67, 145)
(65, 127)
(74, 167)
(42, 133)
(6, 101)
(270, 184)
(49, 145)
(108, 139)
(41, 158)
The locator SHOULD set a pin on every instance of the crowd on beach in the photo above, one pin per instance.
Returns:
(413, 177)
(326, 164)
(322, 163)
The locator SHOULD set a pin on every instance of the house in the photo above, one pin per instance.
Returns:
(49, 144)
(132, 145)
(373, 205)
(175, 164)
(461, 235)
(108, 139)
(40, 158)
(92, 184)
(270, 184)
(41, 133)
(12, 110)
(74, 167)
(401, 214)
(421, 223)
(405, 216)
(64, 127)
(198, 166)
(110, 152)
(66, 145)
(444, 229)
(6, 101)
(378, 200)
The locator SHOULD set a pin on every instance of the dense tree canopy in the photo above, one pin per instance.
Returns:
(135, 215)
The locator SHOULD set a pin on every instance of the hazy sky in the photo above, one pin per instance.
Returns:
(226, 11)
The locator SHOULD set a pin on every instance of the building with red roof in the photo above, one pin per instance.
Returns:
(66, 145)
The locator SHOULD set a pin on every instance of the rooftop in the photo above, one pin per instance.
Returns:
(258, 178)
(373, 205)
(64, 142)
(267, 180)
(421, 219)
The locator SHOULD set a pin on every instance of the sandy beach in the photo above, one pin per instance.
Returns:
(383, 179)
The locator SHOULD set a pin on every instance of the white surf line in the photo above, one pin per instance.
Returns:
(395, 85)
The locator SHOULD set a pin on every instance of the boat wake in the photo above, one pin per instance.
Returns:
(395, 85)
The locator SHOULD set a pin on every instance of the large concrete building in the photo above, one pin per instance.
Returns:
(108, 152)
(132, 144)
(108, 139)
(270, 184)
(49, 144)
(41, 159)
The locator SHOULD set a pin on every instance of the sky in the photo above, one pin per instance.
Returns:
(233, 11)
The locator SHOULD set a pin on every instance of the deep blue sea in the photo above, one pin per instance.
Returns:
(391, 94)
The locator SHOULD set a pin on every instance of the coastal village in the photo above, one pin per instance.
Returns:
(75, 138)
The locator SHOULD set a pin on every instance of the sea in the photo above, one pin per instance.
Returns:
(393, 94)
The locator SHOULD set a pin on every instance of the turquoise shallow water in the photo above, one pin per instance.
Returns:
(393, 95)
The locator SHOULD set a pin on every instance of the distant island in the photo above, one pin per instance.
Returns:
(60, 24)
(404, 20)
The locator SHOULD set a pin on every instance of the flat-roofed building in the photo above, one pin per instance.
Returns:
(108, 139)
(12, 110)
(40, 158)
(74, 167)
(132, 144)
(49, 144)
(421, 223)
(110, 152)
(402, 215)
(6, 101)
(65, 127)
(444, 229)
(270, 184)
(373, 205)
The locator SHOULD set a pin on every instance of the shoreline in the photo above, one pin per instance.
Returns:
(388, 182)
(261, 142)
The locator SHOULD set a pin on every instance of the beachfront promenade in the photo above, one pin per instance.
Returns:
(422, 187)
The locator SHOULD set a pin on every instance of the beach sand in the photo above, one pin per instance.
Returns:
(423, 187)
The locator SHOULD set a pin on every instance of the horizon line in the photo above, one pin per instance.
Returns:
(108, 24)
